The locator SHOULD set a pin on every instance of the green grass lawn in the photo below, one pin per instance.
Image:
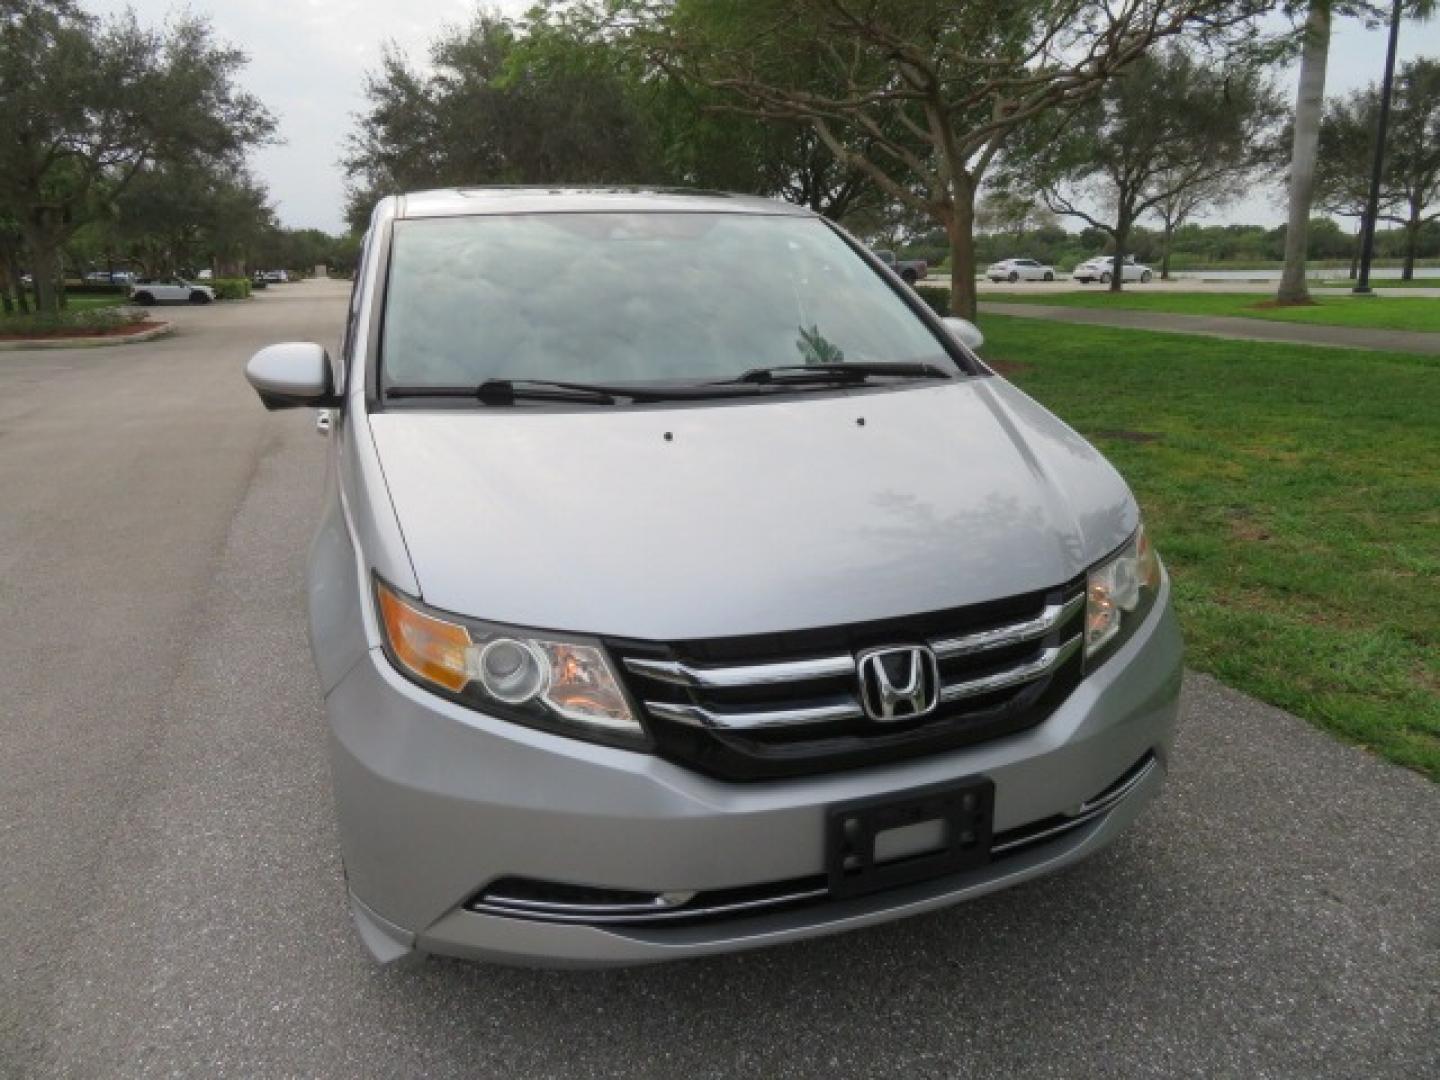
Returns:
(1294, 493)
(1378, 312)
(82, 303)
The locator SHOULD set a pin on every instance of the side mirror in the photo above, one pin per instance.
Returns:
(292, 376)
(965, 331)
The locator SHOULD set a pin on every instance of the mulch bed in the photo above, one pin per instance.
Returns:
(83, 332)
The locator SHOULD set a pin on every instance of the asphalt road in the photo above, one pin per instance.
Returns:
(170, 895)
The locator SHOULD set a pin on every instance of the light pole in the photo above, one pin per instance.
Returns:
(1372, 206)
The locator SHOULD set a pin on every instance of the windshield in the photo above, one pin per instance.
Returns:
(634, 298)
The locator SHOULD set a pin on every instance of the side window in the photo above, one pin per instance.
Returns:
(352, 314)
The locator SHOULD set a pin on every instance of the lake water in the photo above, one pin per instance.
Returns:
(1338, 274)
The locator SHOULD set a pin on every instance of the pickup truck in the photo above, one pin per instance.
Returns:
(911, 270)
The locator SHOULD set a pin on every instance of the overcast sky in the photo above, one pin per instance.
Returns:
(308, 59)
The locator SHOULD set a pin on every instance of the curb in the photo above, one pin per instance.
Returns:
(26, 344)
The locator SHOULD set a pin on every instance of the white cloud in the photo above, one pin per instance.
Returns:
(308, 60)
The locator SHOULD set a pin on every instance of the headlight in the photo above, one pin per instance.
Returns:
(549, 681)
(1119, 591)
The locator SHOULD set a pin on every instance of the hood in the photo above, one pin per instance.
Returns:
(736, 518)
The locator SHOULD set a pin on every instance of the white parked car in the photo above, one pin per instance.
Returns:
(170, 290)
(1102, 269)
(1020, 270)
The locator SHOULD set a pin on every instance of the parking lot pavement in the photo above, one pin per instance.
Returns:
(171, 902)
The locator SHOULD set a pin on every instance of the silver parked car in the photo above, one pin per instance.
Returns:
(685, 585)
(170, 290)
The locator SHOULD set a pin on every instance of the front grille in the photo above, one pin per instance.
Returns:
(788, 704)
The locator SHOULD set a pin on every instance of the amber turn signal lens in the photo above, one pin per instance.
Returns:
(434, 650)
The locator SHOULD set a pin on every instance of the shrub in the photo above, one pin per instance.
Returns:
(96, 320)
(937, 298)
(233, 288)
(93, 289)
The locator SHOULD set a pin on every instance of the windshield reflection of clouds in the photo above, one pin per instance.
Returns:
(614, 297)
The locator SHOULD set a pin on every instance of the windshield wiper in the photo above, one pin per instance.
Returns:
(509, 391)
(788, 374)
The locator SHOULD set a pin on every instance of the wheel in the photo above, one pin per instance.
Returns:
(1105, 278)
(144, 298)
(908, 276)
(1049, 276)
(1014, 277)
(1145, 278)
(198, 297)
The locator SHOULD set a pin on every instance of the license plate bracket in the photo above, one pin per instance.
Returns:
(965, 808)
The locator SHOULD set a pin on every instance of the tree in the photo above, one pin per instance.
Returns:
(926, 88)
(1410, 179)
(539, 104)
(181, 216)
(1181, 200)
(552, 99)
(1412, 171)
(1345, 156)
(1172, 133)
(1003, 211)
(89, 103)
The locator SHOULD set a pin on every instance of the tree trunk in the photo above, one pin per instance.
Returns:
(43, 272)
(12, 270)
(1117, 268)
(1165, 240)
(960, 230)
(1412, 241)
(44, 235)
(1355, 253)
(1309, 103)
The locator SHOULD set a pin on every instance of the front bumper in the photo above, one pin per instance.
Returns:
(436, 801)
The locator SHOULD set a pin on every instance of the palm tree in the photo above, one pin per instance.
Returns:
(1309, 105)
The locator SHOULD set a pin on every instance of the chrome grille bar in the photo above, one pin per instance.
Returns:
(847, 708)
(1013, 634)
(698, 716)
(723, 678)
(1003, 680)
(696, 910)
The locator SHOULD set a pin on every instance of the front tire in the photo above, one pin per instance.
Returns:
(1145, 278)
(1105, 279)
(1049, 276)
(144, 299)
(908, 276)
(1014, 277)
(199, 298)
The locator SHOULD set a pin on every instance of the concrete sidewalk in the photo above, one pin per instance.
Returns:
(1242, 329)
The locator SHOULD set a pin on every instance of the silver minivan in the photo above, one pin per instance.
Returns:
(685, 585)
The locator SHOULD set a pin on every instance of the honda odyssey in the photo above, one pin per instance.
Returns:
(685, 585)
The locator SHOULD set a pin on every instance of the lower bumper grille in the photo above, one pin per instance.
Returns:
(790, 704)
(521, 898)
